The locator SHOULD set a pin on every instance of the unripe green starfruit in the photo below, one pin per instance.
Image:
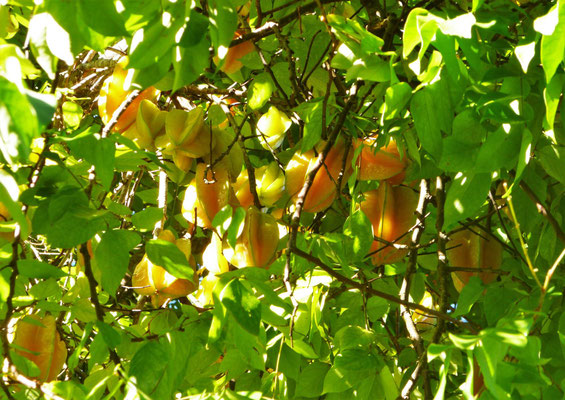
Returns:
(270, 183)
(271, 128)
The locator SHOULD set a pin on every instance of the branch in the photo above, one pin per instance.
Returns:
(350, 282)
(441, 257)
(309, 179)
(94, 294)
(422, 367)
(267, 28)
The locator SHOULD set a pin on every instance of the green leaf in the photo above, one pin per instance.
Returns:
(102, 17)
(471, 292)
(66, 219)
(259, 92)
(465, 197)
(356, 37)
(303, 348)
(168, 255)
(148, 368)
(112, 257)
(243, 305)
(552, 159)
(223, 23)
(4, 284)
(311, 380)
(464, 342)
(357, 361)
(84, 311)
(72, 113)
(195, 31)
(411, 36)
(498, 302)
(190, 62)
(433, 115)
(18, 124)
(458, 156)
(110, 335)
(49, 40)
(499, 150)
(334, 381)
(236, 225)
(377, 307)
(372, 68)
(553, 44)
(9, 192)
(222, 220)
(551, 96)
(44, 106)
(104, 156)
(24, 366)
(397, 97)
(388, 383)
(39, 270)
(311, 113)
(351, 337)
(150, 43)
(155, 73)
(359, 229)
(147, 218)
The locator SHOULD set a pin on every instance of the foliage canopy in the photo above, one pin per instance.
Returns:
(241, 175)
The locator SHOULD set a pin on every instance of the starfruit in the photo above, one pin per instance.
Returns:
(471, 250)
(204, 197)
(391, 212)
(233, 160)
(187, 133)
(380, 163)
(215, 263)
(269, 183)
(150, 279)
(113, 94)
(40, 342)
(257, 244)
(271, 128)
(324, 188)
(150, 124)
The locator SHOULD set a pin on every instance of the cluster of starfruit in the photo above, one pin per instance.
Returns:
(153, 280)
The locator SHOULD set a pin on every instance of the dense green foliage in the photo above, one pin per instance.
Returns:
(470, 91)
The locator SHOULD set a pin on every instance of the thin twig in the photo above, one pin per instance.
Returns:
(542, 209)
(119, 111)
